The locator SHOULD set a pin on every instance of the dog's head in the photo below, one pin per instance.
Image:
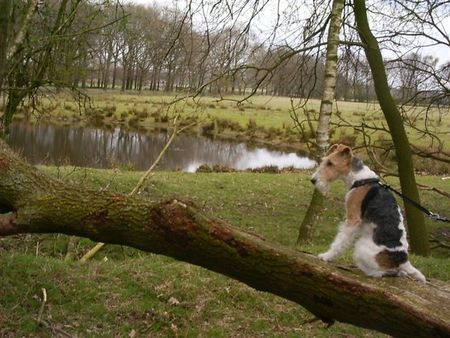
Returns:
(336, 164)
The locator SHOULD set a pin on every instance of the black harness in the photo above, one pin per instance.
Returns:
(360, 183)
(431, 215)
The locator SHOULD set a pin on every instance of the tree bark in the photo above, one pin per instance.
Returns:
(329, 86)
(40, 204)
(312, 217)
(313, 213)
(414, 218)
(5, 21)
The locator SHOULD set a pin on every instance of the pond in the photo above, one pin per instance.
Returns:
(44, 143)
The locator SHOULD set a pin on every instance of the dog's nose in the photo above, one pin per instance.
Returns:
(313, 180)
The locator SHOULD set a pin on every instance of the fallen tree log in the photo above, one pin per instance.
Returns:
(32, 202)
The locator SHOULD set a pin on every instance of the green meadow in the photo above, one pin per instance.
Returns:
(261, 119)
(124, 292)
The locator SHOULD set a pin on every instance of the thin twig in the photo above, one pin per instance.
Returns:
(437, 190)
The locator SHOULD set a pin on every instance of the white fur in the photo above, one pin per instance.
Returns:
(365, 252)
(365, 248)
(344, 238)
(408, 269)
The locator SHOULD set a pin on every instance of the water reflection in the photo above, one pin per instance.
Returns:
(88, 147)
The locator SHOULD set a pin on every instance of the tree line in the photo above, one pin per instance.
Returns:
(166, 48)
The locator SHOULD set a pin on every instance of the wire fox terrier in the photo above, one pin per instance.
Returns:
(372, 214)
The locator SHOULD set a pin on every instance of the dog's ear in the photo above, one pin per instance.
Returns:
(345, 150)
(332, 148)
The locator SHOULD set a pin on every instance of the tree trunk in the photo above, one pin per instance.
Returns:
(414, 217)
(329, 85)
(5, 20)
(312, 216)
(40, 204)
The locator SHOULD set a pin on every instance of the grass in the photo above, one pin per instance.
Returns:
(125, 292)
(262, 119)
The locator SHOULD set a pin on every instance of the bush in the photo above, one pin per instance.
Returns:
(251, 125)
(95, 116)
(133, 122)
(346, 139)
(204, 168)
(209, 128)
(223, 124)
(110, 110)
(164, 118)
(142, 115)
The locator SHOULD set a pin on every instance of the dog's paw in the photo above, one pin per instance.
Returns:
(326, 256)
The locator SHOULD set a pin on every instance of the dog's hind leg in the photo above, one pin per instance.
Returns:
(364, 257)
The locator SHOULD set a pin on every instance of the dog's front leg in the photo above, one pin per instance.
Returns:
(344, 238)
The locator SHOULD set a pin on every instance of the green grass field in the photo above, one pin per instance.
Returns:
(125, 292)
(263, 119)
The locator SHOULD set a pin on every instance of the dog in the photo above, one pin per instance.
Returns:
(372, 215)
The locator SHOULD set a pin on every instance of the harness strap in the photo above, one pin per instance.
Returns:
(430, 214)
(359, 183)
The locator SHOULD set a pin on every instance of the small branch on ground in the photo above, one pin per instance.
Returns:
(41, 310)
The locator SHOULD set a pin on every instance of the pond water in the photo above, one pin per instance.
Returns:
(44, 143)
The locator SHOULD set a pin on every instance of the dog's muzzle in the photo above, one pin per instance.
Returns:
(313, 180)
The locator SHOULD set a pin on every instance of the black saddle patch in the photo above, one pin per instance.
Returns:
(379, 207)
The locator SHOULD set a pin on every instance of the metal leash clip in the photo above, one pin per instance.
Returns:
(433, 216)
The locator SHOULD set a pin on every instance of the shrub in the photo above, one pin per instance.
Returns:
(347, 139)
(204, 168)
(251, 125)
(142, 114)
(223, 124)
(209, 128)
(95, 116)
(164, 118)
(133, 122)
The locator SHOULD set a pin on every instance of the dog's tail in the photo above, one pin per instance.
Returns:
(408, 269)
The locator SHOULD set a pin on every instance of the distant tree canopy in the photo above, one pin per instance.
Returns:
(221, 48)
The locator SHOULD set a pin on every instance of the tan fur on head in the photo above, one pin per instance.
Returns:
(335, 165)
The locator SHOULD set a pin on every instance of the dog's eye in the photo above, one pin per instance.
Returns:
(329, 163)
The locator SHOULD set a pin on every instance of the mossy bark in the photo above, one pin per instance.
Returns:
(40, 204)
(5, 10)
(414, 218)
(311, 219)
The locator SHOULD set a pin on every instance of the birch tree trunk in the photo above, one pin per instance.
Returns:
(40, 204)
(414, 218)
(312, 215)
